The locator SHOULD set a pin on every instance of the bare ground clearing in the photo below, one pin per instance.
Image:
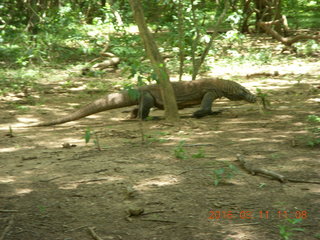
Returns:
(58, 193)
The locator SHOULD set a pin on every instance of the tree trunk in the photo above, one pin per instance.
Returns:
(277, 15)
(263, 13)
(170, 105)
(247, 12)
(54, 6)
(33, 16)
(198, 63)
(181, 38)
(116, 14)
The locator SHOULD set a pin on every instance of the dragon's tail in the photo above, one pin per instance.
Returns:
(111, 101)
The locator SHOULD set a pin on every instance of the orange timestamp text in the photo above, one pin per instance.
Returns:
(216, 215)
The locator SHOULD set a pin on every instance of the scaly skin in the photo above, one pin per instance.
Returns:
(188, 94)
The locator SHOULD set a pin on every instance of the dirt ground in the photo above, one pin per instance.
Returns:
(130, 190)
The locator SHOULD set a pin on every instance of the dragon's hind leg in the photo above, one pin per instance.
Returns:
(145, 104)
(206, 105)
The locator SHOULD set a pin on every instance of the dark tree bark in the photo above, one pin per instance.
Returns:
(285, 40)
(33, 16)
(170, 105)
(247, 12)
(266, 11)
(263, 13)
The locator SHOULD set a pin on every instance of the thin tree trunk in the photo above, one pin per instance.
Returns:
(170, 105)
(195, 41)
(277, 15)
(247, 12)
(198, 63)
(181, 38)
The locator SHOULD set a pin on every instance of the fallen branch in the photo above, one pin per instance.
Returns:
(254, 170)
(107, 63)
(8, 211)
(112, 61)
(7, 228)
(92, 180)
(94, 234)
(147, 213)
(198, 144)
(285, 40)
(158, 220)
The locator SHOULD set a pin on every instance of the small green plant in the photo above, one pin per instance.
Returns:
(156, 137)
(22, 108)
(87, 137)
(10, 133)
(97, 85)
(224, 173)
(308, 48)
(313, 138)
(263, 57)
(262, 185)
(42, 209)
(199, 154)
(276, 156)
(19, 81)
(68, 84)
(314, 118)
(179, 151)
(264, 98)
(286, 231)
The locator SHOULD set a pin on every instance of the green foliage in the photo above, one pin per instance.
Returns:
(307, 48)
(313, 138)
(10, 133)
(224, 173)
(286, 230)
(20, 81)
(97, 85)
(132, 91)
(179, 151)
(313, 119)
(156, 137)
(55, 37)
(22, 108)
(199, 154)
(263, 97)
(42, 209)
(87, 135)
(77, 32)
(132, 53)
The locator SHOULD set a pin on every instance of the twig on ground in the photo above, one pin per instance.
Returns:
(158, 220)
(254, 170)
(147, 213)
(198, 144)
(8, 211)
(7, 228)
(94, 234)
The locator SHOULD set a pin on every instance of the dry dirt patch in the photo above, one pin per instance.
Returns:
(131, 190)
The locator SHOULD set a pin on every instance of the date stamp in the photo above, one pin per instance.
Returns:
(248, 215)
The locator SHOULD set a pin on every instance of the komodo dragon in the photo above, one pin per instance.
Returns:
(203, 92)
